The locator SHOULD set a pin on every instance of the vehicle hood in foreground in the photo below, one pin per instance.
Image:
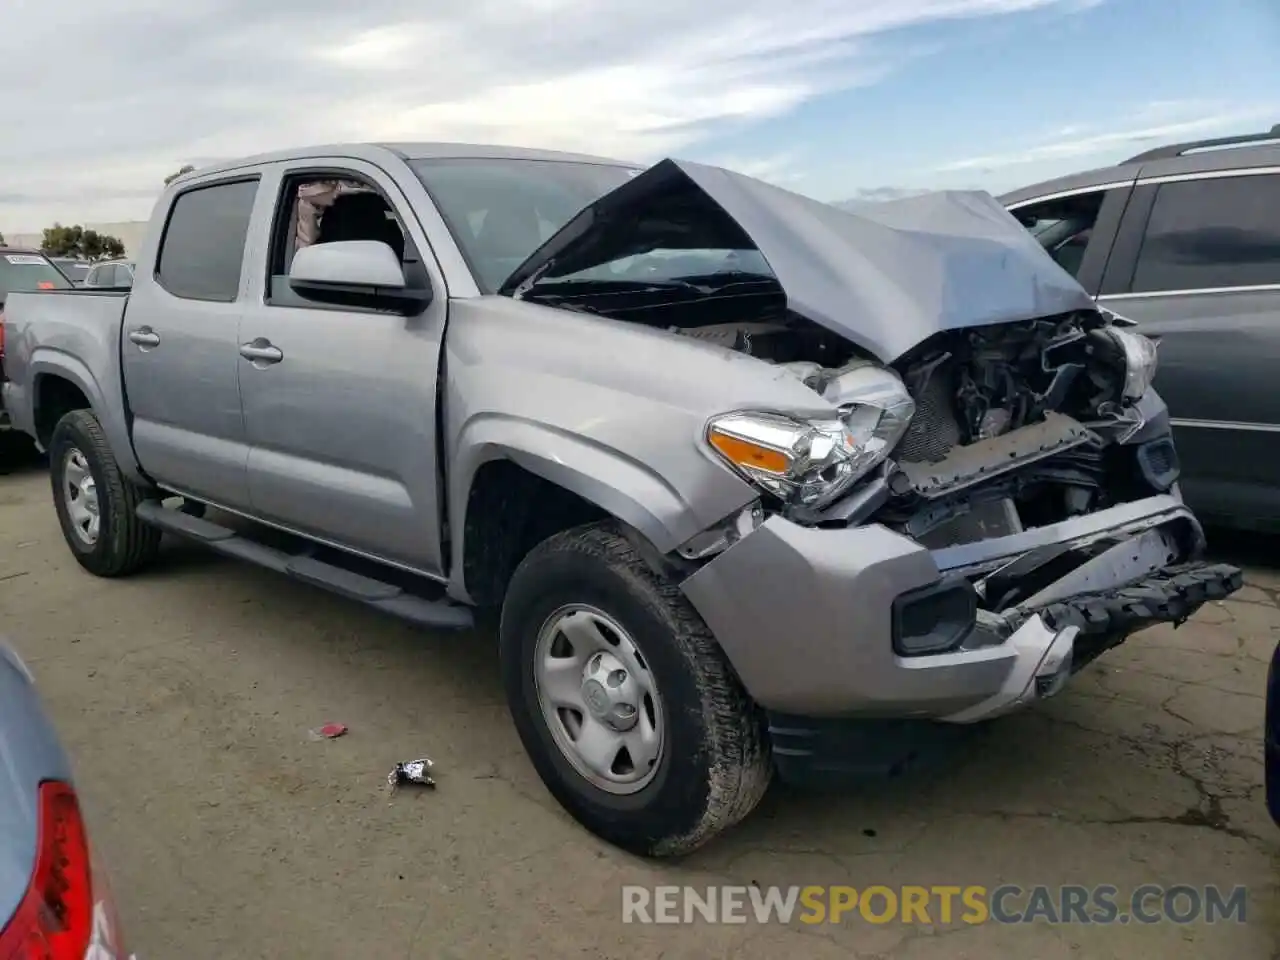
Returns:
(886, 276)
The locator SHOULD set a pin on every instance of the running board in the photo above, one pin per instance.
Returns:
(387, 597)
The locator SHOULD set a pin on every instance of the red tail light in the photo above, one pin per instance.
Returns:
(62, 916)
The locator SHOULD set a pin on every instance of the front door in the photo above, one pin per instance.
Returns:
(180, 347)
(340, 413)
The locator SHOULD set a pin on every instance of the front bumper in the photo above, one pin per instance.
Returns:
(807, 616)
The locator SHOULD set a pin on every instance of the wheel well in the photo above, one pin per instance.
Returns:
(55, 398)
(509, 512)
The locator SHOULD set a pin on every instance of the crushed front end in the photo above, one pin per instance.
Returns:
(1025, 519)
(974, 494)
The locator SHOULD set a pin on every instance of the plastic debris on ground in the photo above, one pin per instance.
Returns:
(417, 772)
(329, 731)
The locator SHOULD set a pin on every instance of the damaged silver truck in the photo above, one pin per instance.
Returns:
(738, 469)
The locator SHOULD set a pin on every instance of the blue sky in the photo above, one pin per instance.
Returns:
(1001, 101)
(829, 97)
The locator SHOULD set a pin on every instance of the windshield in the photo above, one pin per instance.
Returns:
(24, 272)
(500, 211)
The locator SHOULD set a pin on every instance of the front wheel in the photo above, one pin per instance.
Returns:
(96, 505)
(626, 705)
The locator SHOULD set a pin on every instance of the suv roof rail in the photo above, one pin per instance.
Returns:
(1178, 149)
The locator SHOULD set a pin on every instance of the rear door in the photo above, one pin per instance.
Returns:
(181, 348)
(1197, 265)
(342, 423)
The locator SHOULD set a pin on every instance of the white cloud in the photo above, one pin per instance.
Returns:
(116, 96)
(1152, 124)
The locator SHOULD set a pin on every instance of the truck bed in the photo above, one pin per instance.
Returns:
(74, 333)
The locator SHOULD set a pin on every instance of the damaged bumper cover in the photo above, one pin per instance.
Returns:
(866, 622)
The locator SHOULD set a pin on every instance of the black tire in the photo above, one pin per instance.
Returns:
(715, 765)
(124, 543)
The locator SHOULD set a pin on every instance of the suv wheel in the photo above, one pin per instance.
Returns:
(96, 505)
(626, 705)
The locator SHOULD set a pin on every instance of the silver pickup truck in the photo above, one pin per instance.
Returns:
(743, 473)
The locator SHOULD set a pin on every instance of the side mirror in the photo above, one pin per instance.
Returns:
(352, 272)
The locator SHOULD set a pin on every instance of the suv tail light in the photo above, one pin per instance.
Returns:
(63, 915)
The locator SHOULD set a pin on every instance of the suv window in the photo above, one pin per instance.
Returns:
(1204, 234)
(1063, 226)
(203, 245)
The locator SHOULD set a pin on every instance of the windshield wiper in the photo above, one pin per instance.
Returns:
(699, 283)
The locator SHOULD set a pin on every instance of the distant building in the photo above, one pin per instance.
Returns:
(129, 232)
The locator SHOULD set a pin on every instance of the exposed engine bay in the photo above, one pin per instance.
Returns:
(1014, 426)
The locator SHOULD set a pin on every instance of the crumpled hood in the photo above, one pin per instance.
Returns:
(886, 276)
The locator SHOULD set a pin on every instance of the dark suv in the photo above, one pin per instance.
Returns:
(1185, 240)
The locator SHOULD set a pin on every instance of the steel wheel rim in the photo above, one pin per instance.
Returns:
(80, 497)
(599, 699)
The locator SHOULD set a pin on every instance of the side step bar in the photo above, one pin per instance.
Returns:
(387, 597)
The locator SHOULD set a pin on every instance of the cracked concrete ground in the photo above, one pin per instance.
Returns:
(185, 697)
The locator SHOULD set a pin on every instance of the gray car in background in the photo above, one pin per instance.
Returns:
(738, 471)
(1185, 241)
(54, 901)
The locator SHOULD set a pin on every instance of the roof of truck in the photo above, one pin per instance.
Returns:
(406, 151)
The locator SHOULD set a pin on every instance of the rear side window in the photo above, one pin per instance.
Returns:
(1206, 234)
(203, 245)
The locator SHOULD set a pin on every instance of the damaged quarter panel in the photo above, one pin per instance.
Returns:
(611, 411)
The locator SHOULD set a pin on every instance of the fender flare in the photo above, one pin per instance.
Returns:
(618, 484)
(49, 362)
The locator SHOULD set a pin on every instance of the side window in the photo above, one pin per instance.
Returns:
(203, 244)
(107, 277)
(324, 208)
(1063, 226)
(1205, 234)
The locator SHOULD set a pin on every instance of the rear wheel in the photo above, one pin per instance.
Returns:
(96, 505)
(625, 703)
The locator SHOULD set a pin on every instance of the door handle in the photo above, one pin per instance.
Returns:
(261, 351)
(144, 337)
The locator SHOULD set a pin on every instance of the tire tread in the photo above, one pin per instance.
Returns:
(133, 543)
(739, 760)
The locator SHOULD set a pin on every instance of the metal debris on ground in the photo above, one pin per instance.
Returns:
(411, 771)
(329, 731)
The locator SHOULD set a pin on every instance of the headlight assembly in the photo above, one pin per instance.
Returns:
(811, 462)
(1140, 359)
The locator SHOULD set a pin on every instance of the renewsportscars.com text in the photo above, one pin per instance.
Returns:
(974, 904)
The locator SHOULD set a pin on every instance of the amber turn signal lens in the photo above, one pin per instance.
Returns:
(744, 453)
